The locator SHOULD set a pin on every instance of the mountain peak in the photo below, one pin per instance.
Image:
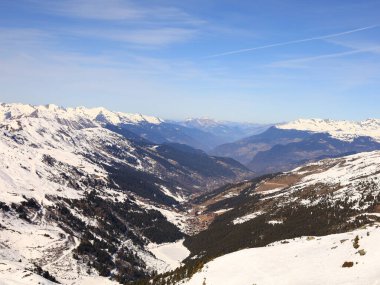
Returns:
(341, 129)
(99, 114)
(203, 122)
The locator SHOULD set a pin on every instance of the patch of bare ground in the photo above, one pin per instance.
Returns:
(199, 220)
(282, 181)
(318, 168)
(222, 196)
(377, 209)
(289, 179)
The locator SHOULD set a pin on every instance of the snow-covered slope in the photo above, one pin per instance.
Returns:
(78, 200)
(349, 174)
(300, 261)
(343, 130)
(51, 159)
(35, 137)
(352, 181)
(269, 214)
(352, 177)
(78, 136)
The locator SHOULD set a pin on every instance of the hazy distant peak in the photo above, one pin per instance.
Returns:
(204, 121)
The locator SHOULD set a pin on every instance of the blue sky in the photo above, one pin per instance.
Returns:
(257, 61)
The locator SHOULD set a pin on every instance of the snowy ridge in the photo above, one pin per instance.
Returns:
(352, 176)
(346, 174)
(102, 115)
(344, 170)
(343, 130)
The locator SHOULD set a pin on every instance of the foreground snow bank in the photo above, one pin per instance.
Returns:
(306, 260)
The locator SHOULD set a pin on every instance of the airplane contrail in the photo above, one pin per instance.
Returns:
(294, 41)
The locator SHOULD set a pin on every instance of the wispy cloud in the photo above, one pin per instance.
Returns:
(296, 63)
(21, 35)
(117, 10)
(95, 9)
(357, 44)
(329, 36)
(159, 36)
(122, 21)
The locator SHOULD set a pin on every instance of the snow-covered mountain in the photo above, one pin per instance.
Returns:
(343, 130)
(14, 111)
(316, 224)
(83, 201)
(78, 200)
(288, 145)
(149, 128)
(50, 130)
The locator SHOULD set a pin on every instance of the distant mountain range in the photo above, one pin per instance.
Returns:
(224, 131)
(203, 134)
(285, 146)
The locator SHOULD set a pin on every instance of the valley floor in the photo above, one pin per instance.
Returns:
(170, 253)
(300, 261)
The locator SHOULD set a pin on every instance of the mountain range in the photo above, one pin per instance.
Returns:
(91, 196)
(285, 146)
(78, 199)
(203, 134)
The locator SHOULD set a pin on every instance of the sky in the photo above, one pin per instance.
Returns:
(254, 61)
